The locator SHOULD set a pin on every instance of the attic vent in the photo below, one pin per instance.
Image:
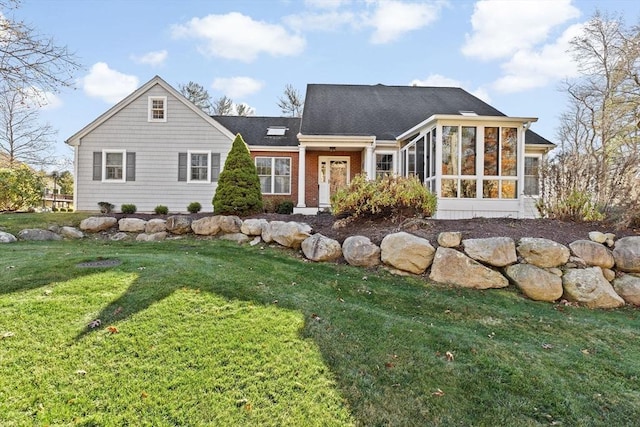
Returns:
(276, 130)
(468, 113)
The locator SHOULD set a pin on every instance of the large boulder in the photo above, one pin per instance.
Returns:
(288, 234)
(229, 223)
(450, 239)
(321, 248)
(266, 233)
(628, 287)
(71, 233)
(592, 253)
(455, 268)
(589, 287)
(239, 238)
(496, 251)
(627, 254)
(38, 234)
(406, 252)
(152, 237)
(207, 226)
(359, 251)
(132, 225)
(155, 225)
(543, 253)
(179, 224)
(7, 237)
(253, 226)
(96, 224)
(537, 284)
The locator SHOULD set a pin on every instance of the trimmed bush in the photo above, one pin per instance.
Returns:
(238, 191)
(128, 208)
(161, 210)
(106, 207)
(388, 196)
(194, 207)
(285, 207)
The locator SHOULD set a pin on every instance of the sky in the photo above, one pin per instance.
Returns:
(510, 53)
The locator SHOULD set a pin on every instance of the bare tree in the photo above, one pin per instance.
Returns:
(30, 59)
(223, 106)
(22, 137)
(291, 103)
(244, 110)
(599, 133)
(197, 94)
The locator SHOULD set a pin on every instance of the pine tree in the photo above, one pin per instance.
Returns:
(238, 191)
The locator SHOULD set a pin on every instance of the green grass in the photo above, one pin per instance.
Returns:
(211, 333)
(14, 222)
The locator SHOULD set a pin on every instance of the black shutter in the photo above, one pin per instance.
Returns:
(215, 166)
(182, 166)
(97, 166)
(131, 166)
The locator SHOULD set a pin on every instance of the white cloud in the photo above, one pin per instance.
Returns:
(109, 85)
(436, 80)
(501, 28)
(326, 4)
(392, 19)
(328, 21)
(237, 87)
(236, 36)
(529, 69)
(38, 98)
(154, 59)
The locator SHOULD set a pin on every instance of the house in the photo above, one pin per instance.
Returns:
(478, 161)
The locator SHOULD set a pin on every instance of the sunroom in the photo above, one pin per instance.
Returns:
(478, 166)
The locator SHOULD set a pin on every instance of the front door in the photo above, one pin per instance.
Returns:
(333, 174)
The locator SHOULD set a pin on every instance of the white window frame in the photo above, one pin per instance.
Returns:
(104, 165)
(198, 181)
(393, 161)
(164, 109)
(524, 174)
(273, 172)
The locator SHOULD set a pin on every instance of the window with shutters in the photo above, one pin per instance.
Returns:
(157, 108)
(198, 166)
(114, 165)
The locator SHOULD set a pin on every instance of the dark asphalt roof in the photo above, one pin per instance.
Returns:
(383, 111)
(254, 129)
(530, 137)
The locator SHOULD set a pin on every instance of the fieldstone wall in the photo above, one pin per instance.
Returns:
(598, 272)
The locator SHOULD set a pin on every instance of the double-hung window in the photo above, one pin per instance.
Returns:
(384, 164)
(531, 175)
(157, 109)
(274, 174)
(199, 166)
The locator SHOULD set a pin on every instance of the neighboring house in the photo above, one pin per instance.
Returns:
(478, 161)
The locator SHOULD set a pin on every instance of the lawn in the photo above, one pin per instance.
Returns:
(205, 332)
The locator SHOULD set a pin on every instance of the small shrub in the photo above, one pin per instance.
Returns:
(128, 208)
(576, 207)
(285, 207)
(54, 209)
(106, 207)
(194, 207)
(388, 196)
(161, 210)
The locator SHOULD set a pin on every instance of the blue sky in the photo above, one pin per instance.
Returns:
(510, 53)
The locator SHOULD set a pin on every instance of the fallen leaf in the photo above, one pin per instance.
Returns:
(144, 395)
(585, 351)
(547, 346)
(438, 393)
(315, 317)
(47, 292)
(81, 372)
(389, 365)
(449, 356)
(117, 311)
(340, 299)
(6, 335)
(113, 329)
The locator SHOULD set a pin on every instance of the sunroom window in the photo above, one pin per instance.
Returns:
(459, 152)
(500, 163)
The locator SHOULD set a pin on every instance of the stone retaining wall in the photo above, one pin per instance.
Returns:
(598, 272)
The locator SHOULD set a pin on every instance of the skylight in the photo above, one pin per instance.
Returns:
(276, 130)
(468, 113)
